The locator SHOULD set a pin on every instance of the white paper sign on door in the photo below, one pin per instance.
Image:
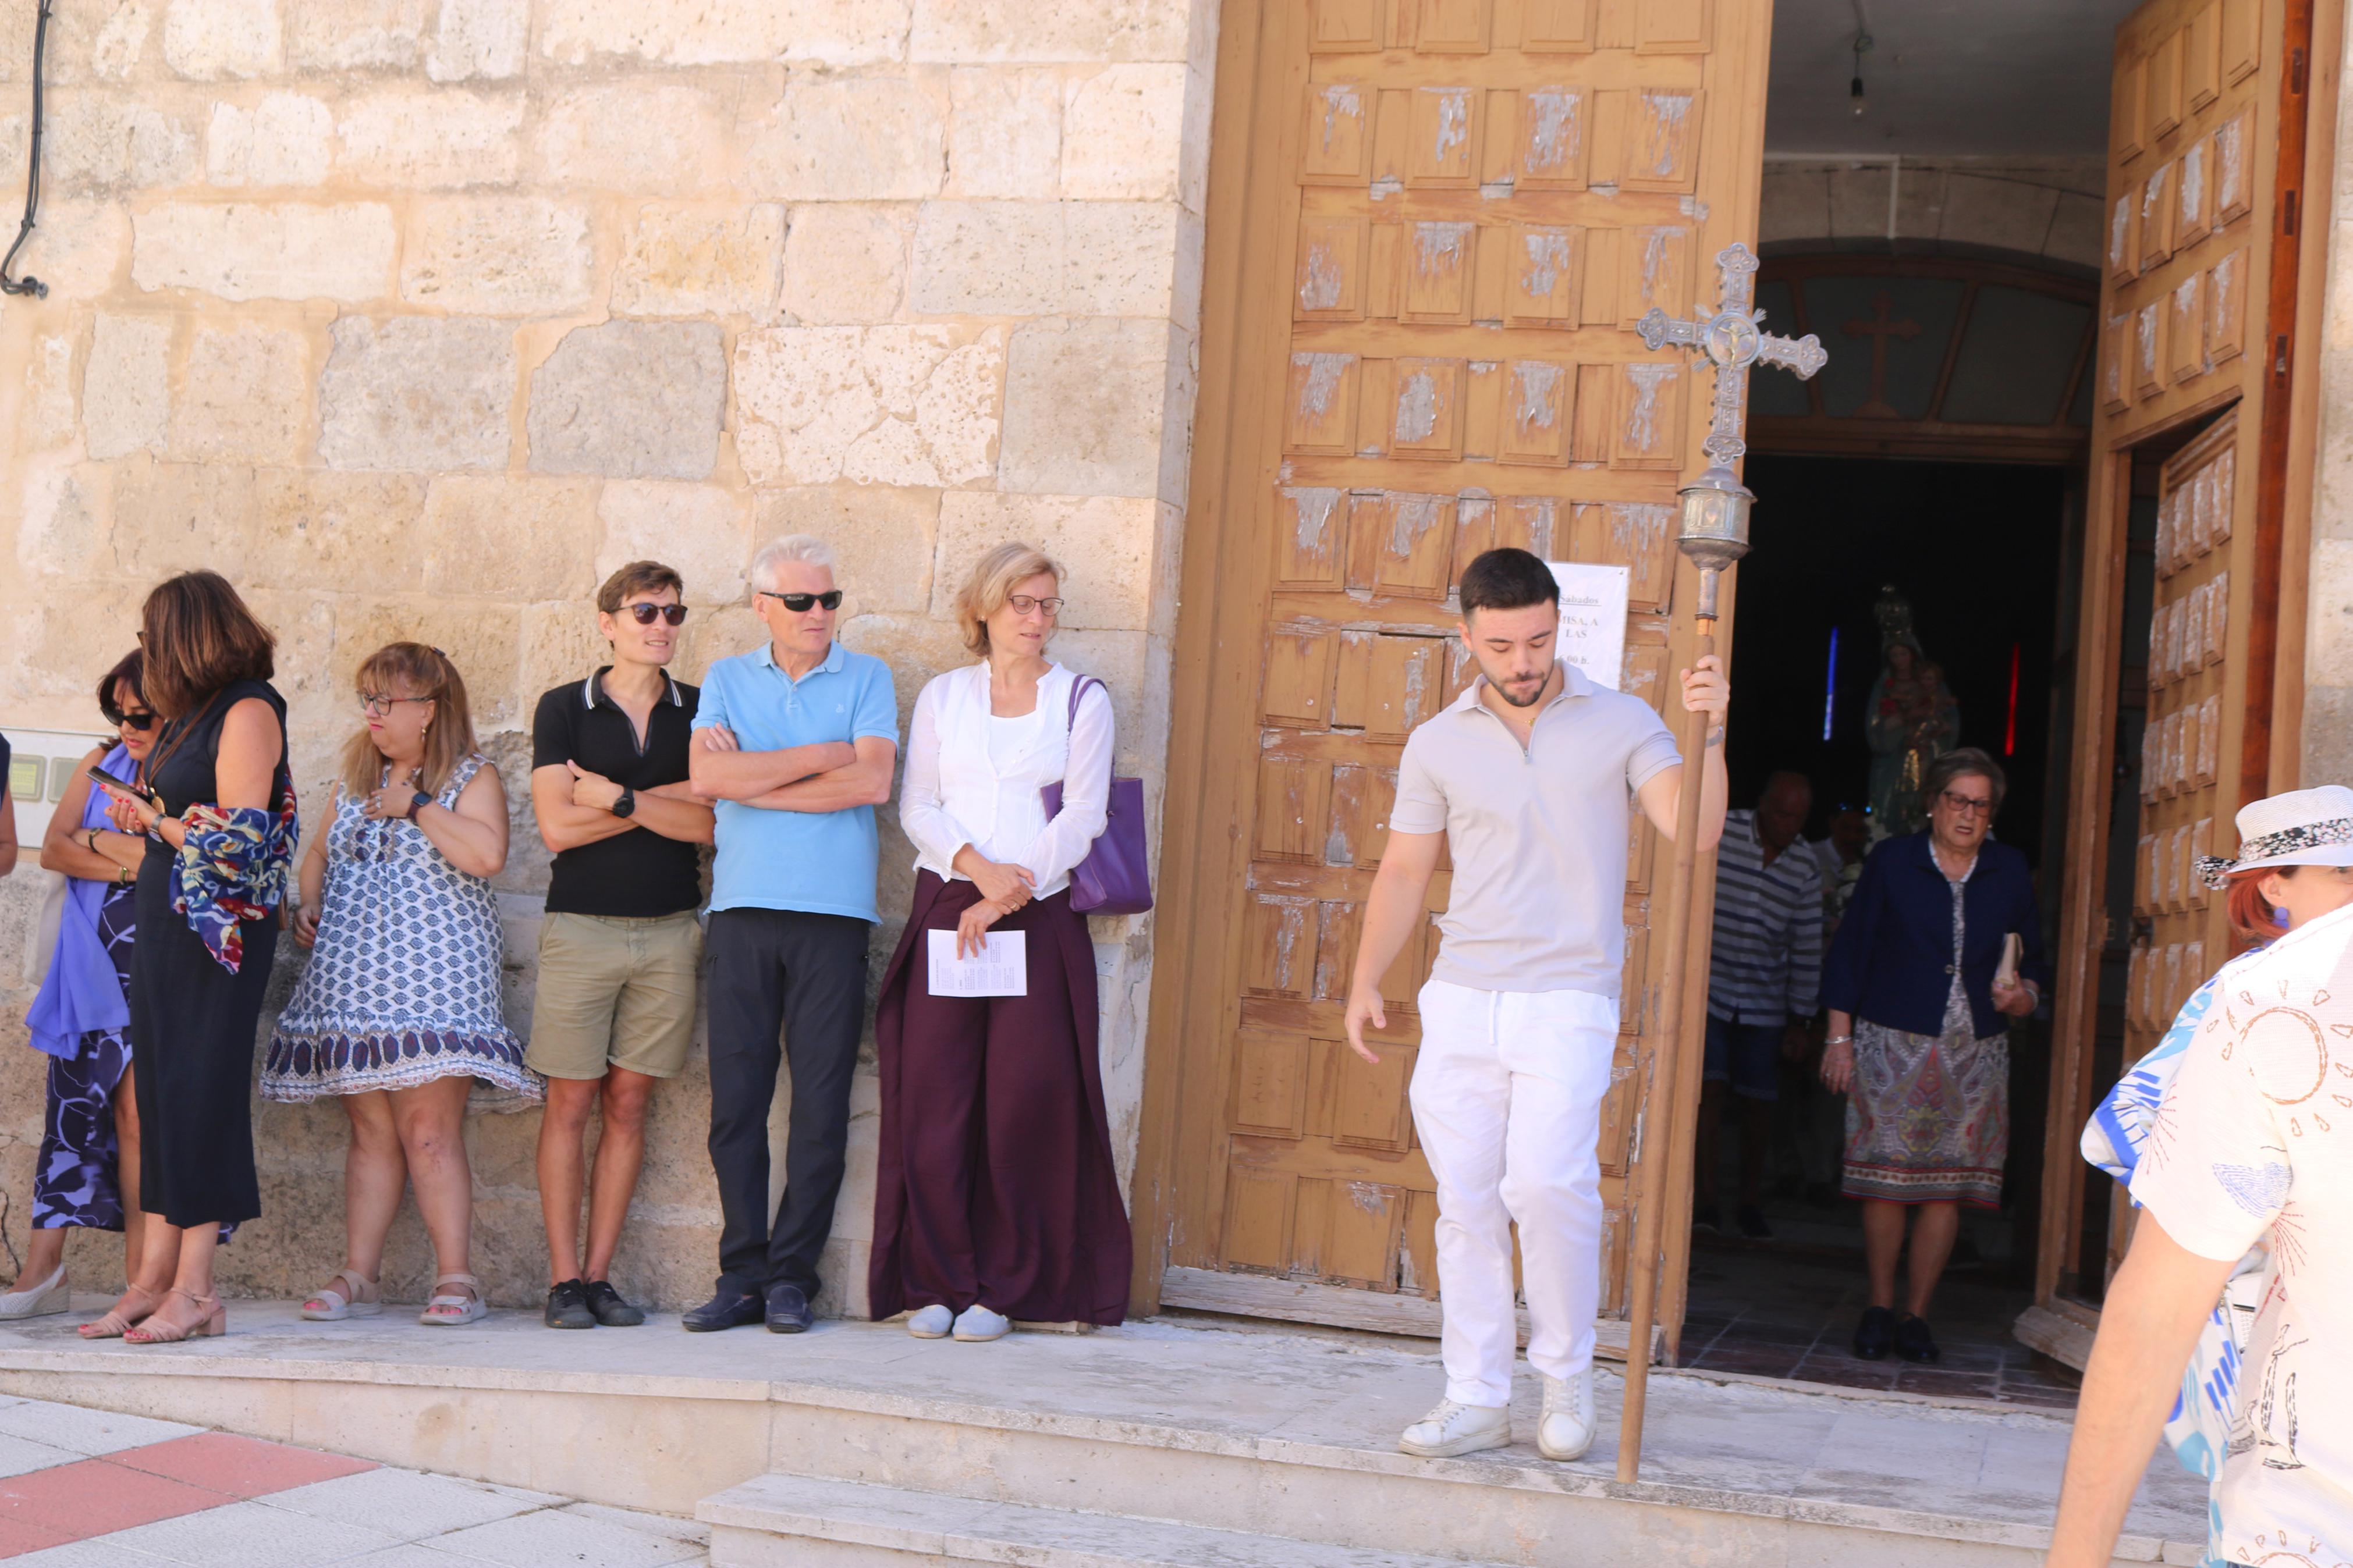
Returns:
(1002, 969)
(1593, 618)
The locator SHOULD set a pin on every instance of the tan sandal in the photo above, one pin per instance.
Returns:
(451, 1311)
(361, 1301)
(119, 1317)
(212, 1324)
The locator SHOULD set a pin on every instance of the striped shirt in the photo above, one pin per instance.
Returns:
(1768, 957)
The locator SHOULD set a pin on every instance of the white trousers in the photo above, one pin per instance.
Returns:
(1507, 1091)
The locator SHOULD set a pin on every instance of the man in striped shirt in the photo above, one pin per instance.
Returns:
(1762, 983)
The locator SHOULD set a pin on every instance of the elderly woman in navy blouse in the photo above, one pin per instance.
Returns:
(1919, 1017)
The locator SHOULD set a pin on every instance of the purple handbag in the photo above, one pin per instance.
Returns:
(1114, 878)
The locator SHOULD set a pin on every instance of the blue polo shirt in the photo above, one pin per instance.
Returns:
(819, 862)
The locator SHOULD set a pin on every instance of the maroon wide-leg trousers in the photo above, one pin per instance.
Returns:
(994, 1181)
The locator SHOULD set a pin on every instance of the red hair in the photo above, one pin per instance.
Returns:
(2253, 918)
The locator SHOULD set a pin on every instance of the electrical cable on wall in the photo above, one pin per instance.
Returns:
(30, 285)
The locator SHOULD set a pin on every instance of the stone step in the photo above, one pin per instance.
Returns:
(801, 1521)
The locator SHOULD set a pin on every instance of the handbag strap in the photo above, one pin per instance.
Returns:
(1079, 685)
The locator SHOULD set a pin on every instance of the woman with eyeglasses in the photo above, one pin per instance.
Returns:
(996, 1196)
(1920, 999)
(82, 1017)
(216, 804)
(397, 1013)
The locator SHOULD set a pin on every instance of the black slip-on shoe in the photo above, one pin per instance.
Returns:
(1875, 1333)
(567, 1307)
(789, 1309)
(1915, 1343)
(734, 1303)
(609, 1309)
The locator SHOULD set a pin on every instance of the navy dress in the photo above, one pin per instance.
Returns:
(193, 1022)
(74, 1181)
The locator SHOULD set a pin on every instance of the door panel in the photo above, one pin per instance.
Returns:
(1465, 205)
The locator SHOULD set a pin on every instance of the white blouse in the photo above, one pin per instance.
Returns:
(972, 778)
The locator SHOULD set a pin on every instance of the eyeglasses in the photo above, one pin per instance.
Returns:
(1022, 604)
(799, 603)
(380, 702)
(1980, 805)
(143, 720)
(674, 614)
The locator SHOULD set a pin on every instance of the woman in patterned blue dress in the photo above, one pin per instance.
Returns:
(397, 1013)
(89, 1126)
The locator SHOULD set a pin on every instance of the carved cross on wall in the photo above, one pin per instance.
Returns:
(1879, 328)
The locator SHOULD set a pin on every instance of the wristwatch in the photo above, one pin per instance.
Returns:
(417, 803)
(626, 803)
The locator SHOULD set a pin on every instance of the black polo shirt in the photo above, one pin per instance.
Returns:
(638, 873)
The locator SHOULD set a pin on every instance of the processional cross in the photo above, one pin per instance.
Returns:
(1714, 534)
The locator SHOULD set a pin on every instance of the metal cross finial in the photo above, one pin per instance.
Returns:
(1732, 343)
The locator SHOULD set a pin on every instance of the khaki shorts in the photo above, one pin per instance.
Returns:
(615, 993)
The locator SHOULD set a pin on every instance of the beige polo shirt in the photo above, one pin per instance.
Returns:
(1538, 836)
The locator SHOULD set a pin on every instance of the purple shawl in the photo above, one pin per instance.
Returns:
(81, 991)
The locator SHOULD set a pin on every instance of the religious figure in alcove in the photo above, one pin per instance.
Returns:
(1913, 719)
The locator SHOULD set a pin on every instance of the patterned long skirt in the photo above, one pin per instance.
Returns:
(1927, 1117)
(74, 1181)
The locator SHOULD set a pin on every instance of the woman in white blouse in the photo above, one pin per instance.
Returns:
(996, 1196)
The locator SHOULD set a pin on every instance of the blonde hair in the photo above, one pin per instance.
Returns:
(991, 584)
(450, 740)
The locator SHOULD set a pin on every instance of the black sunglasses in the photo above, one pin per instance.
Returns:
(674, 614)
(799, 603)
(142, 721)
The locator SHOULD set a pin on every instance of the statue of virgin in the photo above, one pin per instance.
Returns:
(1913, 719)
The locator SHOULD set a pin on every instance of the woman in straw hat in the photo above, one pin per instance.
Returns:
(2251, 1140)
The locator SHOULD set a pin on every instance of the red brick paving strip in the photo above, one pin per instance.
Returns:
(161, 1480)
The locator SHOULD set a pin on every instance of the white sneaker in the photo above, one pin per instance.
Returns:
(976, 1323)
(1457, 1429)
(1565, 1429)
(931, 1322)
(37, 1300)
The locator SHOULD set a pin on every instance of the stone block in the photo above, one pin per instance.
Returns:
(65, 525)
(681, 261)
(1034, 258)
(94, 142)
(2004, 213)
(214, 40)
(317, 530)
(1858, 202)
(243, 396)
(286, 139)
(175, 517)
(523, 538)
(852, 139)
(1106, 545)
(891, 404)
(355, 34)
(119, 42)
(704, 532)
(417, 391)
(881, 537)
(815, 32)
(716, 633)
(79, 247)
(982, 31)
(845, 263)
(1087, 407)
(631, 400)
(646, 138)
(481, 638)
(408, 138)
(1796, 204)
(1123, 133)
(560, 645)
(47, 415)
(126, 386)
(479, 40)
(522, 256)
(243, 251)
(2077, 234)
(1005, 133)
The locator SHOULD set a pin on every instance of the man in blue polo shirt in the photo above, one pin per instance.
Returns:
(795, 741)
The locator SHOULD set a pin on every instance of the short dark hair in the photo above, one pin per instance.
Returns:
(637, 577)
(199, 639)
(125, 674)
(1505, 579)
(1963, 763)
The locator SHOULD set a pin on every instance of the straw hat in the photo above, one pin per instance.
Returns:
(2302, 827)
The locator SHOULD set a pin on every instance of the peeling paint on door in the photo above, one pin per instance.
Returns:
(1554, 129)
(1411, 517)
(1438, 247)
(1323, 373)
(1417, 409)
(1535, 383)
(1340, 101)
(1642, 433)
(1453, 122)
(1666, 112)
(1548, 257)
(1311, 510)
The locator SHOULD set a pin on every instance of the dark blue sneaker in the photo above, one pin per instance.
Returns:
(1875, 1335)
(735, 1301)
(789, 1309)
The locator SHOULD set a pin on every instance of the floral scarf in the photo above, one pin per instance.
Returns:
(232, 868)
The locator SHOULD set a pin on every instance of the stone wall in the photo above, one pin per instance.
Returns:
(415, 317)
(2327, 730)
(2045, 208)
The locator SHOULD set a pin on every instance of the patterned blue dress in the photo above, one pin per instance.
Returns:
(403, 983)
(75, 1181)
